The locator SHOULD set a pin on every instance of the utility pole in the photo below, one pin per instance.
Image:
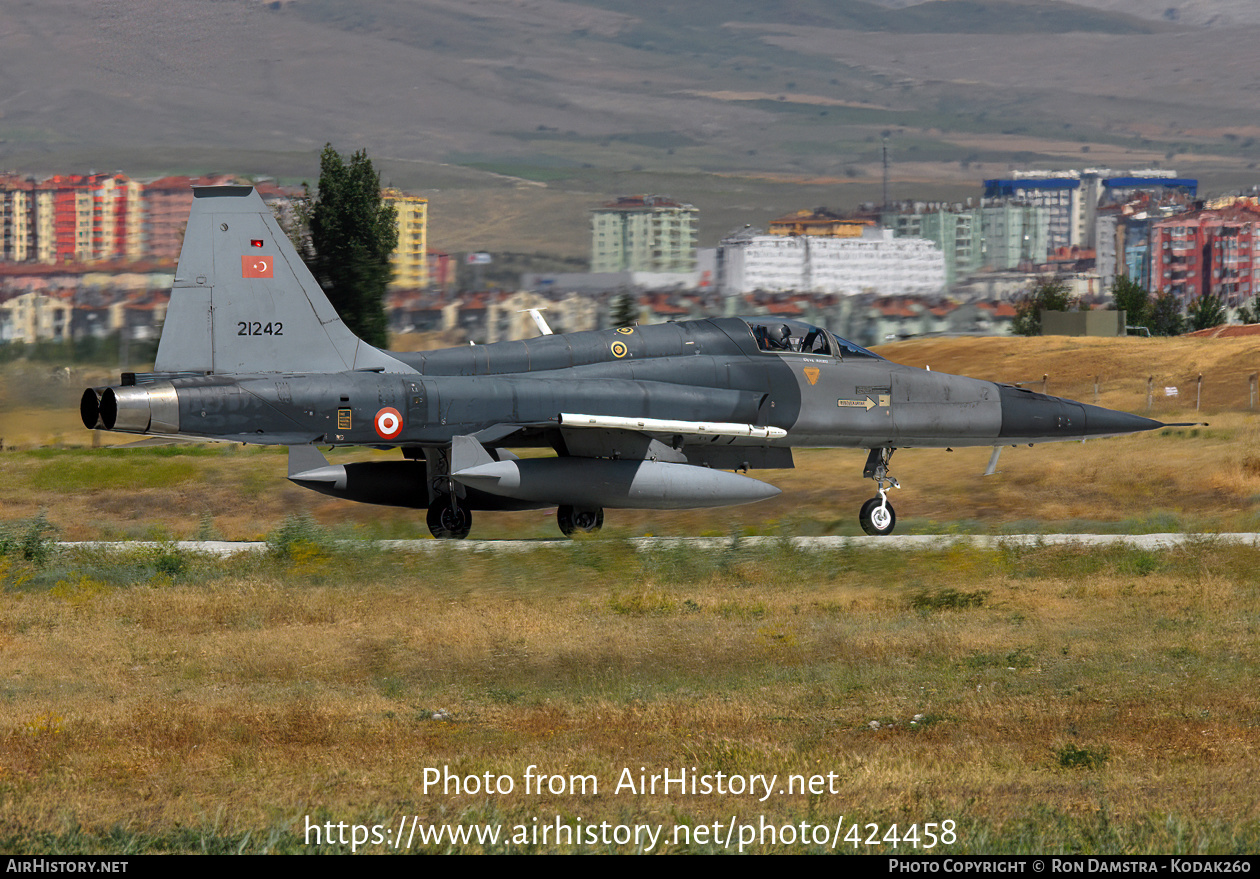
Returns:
(884, 206)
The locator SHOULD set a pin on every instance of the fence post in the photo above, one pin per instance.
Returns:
(1150, 392)
(1252, 381)
(1095, 390)
(1045, 382)
(1198, 392)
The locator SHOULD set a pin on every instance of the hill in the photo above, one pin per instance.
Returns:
(745, 109)
(1122, 367)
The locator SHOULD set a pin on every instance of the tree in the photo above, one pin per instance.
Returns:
(1165, 317)
(1205, 312)
(1049, 295)
(1250, 313)
(353, 235)
(625, 310)
(1131, 298)
(294, 217)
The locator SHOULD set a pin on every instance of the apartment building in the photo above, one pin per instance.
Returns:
(1072, 198)
(999, 237)
(819, 222)
(17, 235)
(877, 262)
(72, 218)
(1210, 251)
(410, 258)
(33, 316)
(643, 233)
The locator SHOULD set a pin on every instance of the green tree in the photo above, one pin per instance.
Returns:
(1205, 312)
(1250, 312)
(1131, 298)
(353, 234)
(625, 310)
(294, 217)
(1049, 295)
(1165, 317)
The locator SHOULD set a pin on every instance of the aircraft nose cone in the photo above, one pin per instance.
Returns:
(1106, 422)
(1038, 417)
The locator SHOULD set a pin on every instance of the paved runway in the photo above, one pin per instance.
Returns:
(908, 541)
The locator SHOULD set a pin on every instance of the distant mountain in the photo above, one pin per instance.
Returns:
(937, 16)
(579, 94)
(1193, 13)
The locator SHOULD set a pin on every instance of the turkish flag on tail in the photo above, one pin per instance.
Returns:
(257, 266)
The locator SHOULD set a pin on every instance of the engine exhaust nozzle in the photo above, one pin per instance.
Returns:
(147, 408)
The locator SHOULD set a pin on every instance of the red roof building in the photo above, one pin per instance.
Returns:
(167, 202)
(1208, 252)
(94, 217)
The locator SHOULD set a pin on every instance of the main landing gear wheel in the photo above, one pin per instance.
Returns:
(877, 517)
(572, 520)
(447, 520)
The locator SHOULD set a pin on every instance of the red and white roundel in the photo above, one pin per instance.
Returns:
(388, 423)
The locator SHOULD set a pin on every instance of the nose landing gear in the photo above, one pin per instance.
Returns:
(877, 516)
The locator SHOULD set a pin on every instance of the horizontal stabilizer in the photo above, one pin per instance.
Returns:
(151, 441)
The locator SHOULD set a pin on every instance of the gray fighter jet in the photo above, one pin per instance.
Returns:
(648, 417)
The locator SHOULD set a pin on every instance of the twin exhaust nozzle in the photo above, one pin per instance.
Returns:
(148, 408)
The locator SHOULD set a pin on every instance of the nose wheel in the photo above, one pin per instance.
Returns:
(877, 516)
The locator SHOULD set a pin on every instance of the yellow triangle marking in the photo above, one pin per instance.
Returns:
(811, 373)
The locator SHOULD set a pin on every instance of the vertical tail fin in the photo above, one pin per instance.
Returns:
(243, 301)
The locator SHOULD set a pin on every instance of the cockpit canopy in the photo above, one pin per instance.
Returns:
(780, 336)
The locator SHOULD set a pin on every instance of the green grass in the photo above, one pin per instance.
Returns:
(112, 472)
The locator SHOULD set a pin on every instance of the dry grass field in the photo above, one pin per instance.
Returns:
(1041, 699)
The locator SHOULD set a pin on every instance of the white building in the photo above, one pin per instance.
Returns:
(32, 317)
(874, 263)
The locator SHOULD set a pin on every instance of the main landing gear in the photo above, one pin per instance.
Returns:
(877, 516)
(447, 519)
(574, 519)
(450, 520)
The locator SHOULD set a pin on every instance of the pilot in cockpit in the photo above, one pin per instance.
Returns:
(781, 338)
